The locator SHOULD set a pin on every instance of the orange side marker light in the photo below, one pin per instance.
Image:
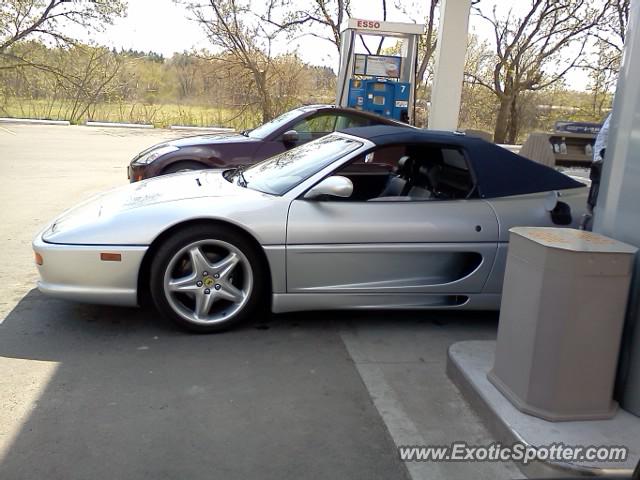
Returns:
(110, 257)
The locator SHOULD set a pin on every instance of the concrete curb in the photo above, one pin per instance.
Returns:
(468, 363)
(120, 125)
(206, 129)
(34, 121)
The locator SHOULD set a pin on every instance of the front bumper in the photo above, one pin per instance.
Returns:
(135, 173)
(76, 272)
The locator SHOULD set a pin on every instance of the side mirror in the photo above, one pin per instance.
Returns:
(290, 137)
(336, 186)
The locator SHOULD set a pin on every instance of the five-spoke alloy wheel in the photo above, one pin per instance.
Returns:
(207, 278)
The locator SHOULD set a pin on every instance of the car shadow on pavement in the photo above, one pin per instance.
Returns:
(103, 392)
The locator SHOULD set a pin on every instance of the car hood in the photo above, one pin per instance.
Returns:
(163, 189)
(212, 139)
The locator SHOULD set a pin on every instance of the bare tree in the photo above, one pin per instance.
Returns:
(602, 69)
(91, 71)
(534, 51)
(430, 41)
(186, 68)
(234, 27)
(330, 15)
(427, 45)
(613, 28)
(603, 66)
(477, 108)
(21, 19)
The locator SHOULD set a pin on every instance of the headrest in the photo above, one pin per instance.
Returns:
(405, 164)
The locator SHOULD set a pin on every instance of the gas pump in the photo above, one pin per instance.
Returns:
(381, 84)
(380, 96)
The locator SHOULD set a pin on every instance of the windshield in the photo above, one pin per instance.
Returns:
(277, 175)
(263, 131)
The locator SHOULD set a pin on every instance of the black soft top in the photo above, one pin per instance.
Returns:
(498, 171)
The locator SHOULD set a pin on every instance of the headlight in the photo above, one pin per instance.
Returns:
(155, 153)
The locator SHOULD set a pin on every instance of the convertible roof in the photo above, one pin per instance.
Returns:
(498, 171)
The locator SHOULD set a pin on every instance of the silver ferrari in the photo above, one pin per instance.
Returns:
(369, 218)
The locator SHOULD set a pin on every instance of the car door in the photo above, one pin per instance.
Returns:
(325, 122)
(312, 127)
(410, 246)
(401, 247)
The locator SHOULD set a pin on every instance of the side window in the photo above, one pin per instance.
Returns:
(350, 121)
(454, 158)
(315, 126)
(372, 172)
(322, 124)
(410, 173)
(385, 158)
(444, 172)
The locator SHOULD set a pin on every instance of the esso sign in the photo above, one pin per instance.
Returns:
(386, 27)
(370, 24)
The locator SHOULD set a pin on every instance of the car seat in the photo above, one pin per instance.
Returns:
(399, 183)
(422, 186)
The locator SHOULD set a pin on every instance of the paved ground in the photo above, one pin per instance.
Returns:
(46, 169)
(98, 392)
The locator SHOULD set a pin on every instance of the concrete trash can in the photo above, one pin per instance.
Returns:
(563, 306)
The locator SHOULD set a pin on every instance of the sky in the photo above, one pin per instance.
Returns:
(163, 26)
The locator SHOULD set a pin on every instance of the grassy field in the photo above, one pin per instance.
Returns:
(160, 115)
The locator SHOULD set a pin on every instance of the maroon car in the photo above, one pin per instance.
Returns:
(223, 150)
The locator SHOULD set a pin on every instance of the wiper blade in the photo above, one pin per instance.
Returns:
(240, 175)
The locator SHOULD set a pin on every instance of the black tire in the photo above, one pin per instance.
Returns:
(184, 166)
(170, 249)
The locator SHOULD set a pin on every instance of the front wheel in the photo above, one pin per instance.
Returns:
(207, 278)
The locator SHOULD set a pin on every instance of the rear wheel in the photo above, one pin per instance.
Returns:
(184, 166)
(207, 278)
